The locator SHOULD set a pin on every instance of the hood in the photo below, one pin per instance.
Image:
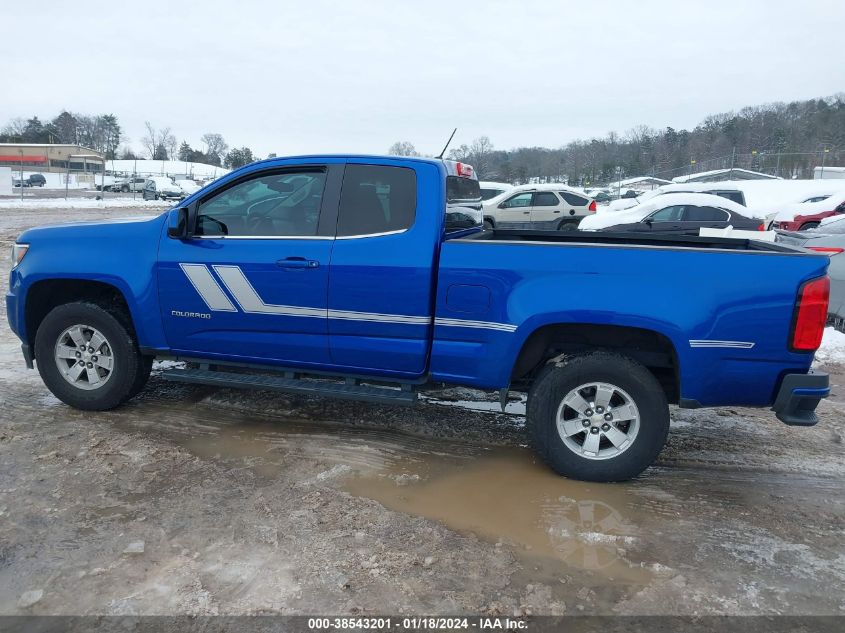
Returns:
(117, 228)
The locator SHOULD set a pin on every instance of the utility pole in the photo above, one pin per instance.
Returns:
(733, 162)
(21, 182)
(825, 151)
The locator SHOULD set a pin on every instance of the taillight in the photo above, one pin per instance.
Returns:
(592, 206)
(464, 170)
(810, 315)
(762, 226)
(827, 250)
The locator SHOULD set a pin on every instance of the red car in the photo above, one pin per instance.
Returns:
(811, 221)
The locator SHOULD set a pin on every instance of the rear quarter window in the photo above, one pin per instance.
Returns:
(574, 200)
(376, 199)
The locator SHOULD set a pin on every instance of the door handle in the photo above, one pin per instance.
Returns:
(297, 262)
(526, 212)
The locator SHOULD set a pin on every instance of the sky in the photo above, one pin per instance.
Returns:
(355, 76)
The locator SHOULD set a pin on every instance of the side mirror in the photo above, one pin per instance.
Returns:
(178, 221)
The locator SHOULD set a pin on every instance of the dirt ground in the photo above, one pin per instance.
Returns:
(191, 500)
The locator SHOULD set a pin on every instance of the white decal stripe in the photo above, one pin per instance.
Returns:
(207, 287)
(482, 325)
(249, 301)
(726, 344)
(377, 317)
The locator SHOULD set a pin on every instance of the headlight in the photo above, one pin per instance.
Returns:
(18, 252)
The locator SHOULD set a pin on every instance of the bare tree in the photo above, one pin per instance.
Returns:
(150, 140)
(215, 145)
(14, 128)
(403, 148)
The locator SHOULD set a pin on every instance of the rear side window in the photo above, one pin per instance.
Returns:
(486, 194)
(376, 199)
(575, 201)
(545, 199)
(733, 196)
(705, 214)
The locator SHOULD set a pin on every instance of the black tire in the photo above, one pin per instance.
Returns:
(488, 225)
(807, 226)
(557, 379)
(130, 370)
(567, 225)
(125, 189)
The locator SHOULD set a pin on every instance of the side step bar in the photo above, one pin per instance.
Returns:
(294, 383)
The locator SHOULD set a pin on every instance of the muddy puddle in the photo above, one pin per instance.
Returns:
(556, 527)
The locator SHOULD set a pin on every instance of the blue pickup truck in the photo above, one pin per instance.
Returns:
(366, 277)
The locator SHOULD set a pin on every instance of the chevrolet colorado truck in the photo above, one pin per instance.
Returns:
(366, 277)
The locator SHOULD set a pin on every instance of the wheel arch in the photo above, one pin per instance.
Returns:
(47, 294)
(651, 348)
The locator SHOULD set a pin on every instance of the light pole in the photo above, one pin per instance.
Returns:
(691, 165)
(21, 182)
(825, 152)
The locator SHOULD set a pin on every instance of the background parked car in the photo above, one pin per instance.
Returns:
(677, 213)
(17, 182)
(550, 207)
(37, 180)
(162, 188)
(828, 238)
(492, 189)
(808, 215)
(126, 185)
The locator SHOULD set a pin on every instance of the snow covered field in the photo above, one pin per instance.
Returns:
(109, 202)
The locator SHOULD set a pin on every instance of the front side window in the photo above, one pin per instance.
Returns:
(518, 201)
(281, 204)
(705, 214)
(376, 199)
(545, 199)
(575, 201)
(668, 214)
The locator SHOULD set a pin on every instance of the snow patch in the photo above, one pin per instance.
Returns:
(832, 350)
(82, 203)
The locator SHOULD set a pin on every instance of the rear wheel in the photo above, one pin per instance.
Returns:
(808, 225)
(124, 189)
(88, 357)
(597, 417)
(567, 225)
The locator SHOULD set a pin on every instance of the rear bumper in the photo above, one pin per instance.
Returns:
(798, 397)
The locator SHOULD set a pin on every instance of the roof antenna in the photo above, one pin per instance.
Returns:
(445, 147)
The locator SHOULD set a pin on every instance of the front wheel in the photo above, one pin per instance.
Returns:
(597, 417)
(488, 225)
(88, 358)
